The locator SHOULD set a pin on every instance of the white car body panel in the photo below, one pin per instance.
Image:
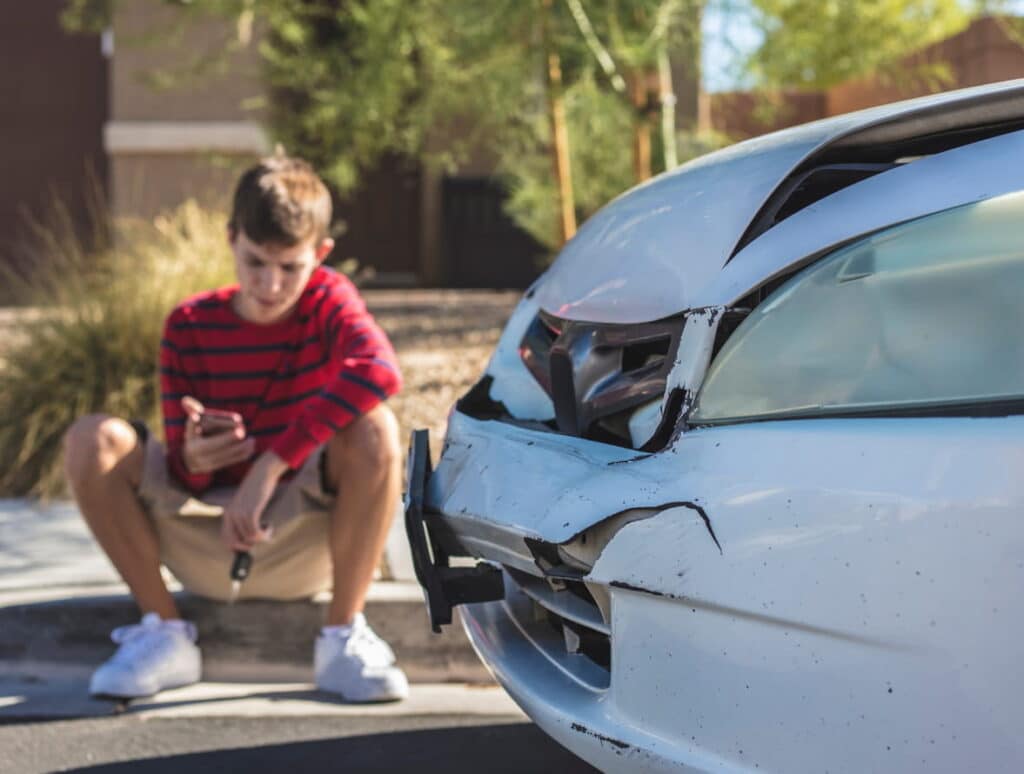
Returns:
(786, 648)
(652, 252)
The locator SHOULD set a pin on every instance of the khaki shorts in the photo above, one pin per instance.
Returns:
(294, 564)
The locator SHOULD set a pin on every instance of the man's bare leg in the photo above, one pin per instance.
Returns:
(104, 462)
(364, 463)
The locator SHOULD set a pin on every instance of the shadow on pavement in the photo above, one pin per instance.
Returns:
(493, 748)
(164, 700)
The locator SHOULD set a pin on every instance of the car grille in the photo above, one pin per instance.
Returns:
(596, 374)
(562, 620)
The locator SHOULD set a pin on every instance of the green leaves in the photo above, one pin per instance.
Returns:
(444, 80)
(92, 16)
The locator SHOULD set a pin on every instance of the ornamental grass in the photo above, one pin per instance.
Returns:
(86, 336)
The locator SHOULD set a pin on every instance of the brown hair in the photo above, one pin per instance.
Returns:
(281, 201)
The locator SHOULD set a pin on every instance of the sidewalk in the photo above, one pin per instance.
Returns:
(60, 598)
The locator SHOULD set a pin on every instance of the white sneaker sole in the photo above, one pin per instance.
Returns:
(112, 688)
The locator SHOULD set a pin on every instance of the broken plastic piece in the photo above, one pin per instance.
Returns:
(444, 587)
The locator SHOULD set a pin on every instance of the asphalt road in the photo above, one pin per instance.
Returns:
(426, 744)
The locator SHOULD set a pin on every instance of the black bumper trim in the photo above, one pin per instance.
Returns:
(444, 587)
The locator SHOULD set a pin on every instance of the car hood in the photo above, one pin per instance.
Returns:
(654, 251)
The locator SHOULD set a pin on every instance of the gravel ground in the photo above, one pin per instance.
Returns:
(443, 339)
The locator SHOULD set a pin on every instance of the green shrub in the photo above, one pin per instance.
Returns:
(89, 342)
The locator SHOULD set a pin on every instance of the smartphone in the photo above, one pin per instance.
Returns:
(216, 421)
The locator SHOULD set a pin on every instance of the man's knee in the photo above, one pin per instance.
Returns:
(369, 446)
(98, 443)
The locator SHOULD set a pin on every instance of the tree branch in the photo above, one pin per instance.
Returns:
(604, 58)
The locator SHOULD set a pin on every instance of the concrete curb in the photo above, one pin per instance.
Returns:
(251, 641)
(60, 598)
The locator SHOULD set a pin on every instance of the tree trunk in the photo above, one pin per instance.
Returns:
(559, 132)
(705, 120)
(667, 96)
(641, 126)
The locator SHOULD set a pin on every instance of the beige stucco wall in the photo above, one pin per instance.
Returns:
(148, 39)
(144, 185)
(190, 141)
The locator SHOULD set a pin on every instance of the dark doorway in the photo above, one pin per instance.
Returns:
(382, 223)
(53, 105)
(482, 246)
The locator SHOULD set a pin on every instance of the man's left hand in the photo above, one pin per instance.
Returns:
(241, 526)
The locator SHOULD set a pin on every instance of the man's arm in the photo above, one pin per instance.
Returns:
(367, 373)
(241, 525)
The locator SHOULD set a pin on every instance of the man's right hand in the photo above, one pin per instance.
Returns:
(213, 440)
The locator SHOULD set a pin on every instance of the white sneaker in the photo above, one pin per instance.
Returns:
(353, 662)
(154, 655)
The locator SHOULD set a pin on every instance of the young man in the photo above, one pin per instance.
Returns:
(272, 395)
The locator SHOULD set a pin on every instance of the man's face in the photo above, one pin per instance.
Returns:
(272, 277)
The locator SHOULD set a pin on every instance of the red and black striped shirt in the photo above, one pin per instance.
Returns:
(295, 382)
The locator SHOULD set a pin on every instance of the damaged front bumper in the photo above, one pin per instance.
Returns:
(538, 608)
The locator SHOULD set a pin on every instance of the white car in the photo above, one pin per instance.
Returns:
(746, 470)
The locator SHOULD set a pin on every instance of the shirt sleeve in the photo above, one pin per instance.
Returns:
(367, 373)
(175, 383)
